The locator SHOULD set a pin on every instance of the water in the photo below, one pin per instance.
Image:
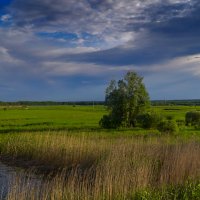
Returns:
(8, 174)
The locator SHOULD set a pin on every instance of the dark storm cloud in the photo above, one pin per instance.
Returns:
(130, 31)
(172, 27)
(39, 12)
(178, 36)
(96, 15)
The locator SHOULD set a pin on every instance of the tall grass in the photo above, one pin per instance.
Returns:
(100, 168)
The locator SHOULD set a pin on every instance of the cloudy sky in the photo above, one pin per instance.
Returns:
(69, 50)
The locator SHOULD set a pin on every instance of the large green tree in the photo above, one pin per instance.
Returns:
(125, 100)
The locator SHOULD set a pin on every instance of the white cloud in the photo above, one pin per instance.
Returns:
(183, 64)
(5, 18)
(56, 52)
(189, 64)
(75, 68)
(5, 57)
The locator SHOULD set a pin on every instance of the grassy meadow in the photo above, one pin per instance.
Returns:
(78, 160)
(41, 118)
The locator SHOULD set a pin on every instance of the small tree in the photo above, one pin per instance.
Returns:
(125, 100)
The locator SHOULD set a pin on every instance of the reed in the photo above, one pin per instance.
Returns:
(101, 168)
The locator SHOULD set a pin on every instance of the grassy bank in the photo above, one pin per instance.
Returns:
(100, 167)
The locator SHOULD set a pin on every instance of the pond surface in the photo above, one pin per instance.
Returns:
(8, 174)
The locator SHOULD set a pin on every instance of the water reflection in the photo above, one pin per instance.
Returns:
(8, 175)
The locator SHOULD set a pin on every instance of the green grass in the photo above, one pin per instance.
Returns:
(49, 118)
(43, 118)
(178, 112)
(187, 191)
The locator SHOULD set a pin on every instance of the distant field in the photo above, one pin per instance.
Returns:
(39, 118)
(49, 117)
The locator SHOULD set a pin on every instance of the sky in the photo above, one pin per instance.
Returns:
(69, 50)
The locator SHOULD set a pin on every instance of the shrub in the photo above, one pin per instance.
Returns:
(106, 122)
(192, 118)
(168, 126)
(149, 120)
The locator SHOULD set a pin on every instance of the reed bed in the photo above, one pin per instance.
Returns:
(100, 168)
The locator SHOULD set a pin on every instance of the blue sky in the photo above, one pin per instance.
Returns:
(71, 49)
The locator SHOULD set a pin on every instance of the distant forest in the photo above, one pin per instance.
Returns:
(192, 102)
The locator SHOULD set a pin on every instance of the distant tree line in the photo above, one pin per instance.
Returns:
(189, 102)
(50, 103)
(54, 103)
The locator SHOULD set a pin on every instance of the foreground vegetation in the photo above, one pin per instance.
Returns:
(103, 167)
(76, 159)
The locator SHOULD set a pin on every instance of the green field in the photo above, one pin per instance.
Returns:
(79, 160)
(33, 118)
(39, 118)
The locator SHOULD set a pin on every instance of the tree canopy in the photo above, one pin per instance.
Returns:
(125, 100)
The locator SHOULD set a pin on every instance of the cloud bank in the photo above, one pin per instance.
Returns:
(66, 43)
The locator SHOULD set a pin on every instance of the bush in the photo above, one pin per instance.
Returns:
(192, 118)
(149, 120)
(168, 126)
(106, 122)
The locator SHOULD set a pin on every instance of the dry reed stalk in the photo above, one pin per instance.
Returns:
(109, 168)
